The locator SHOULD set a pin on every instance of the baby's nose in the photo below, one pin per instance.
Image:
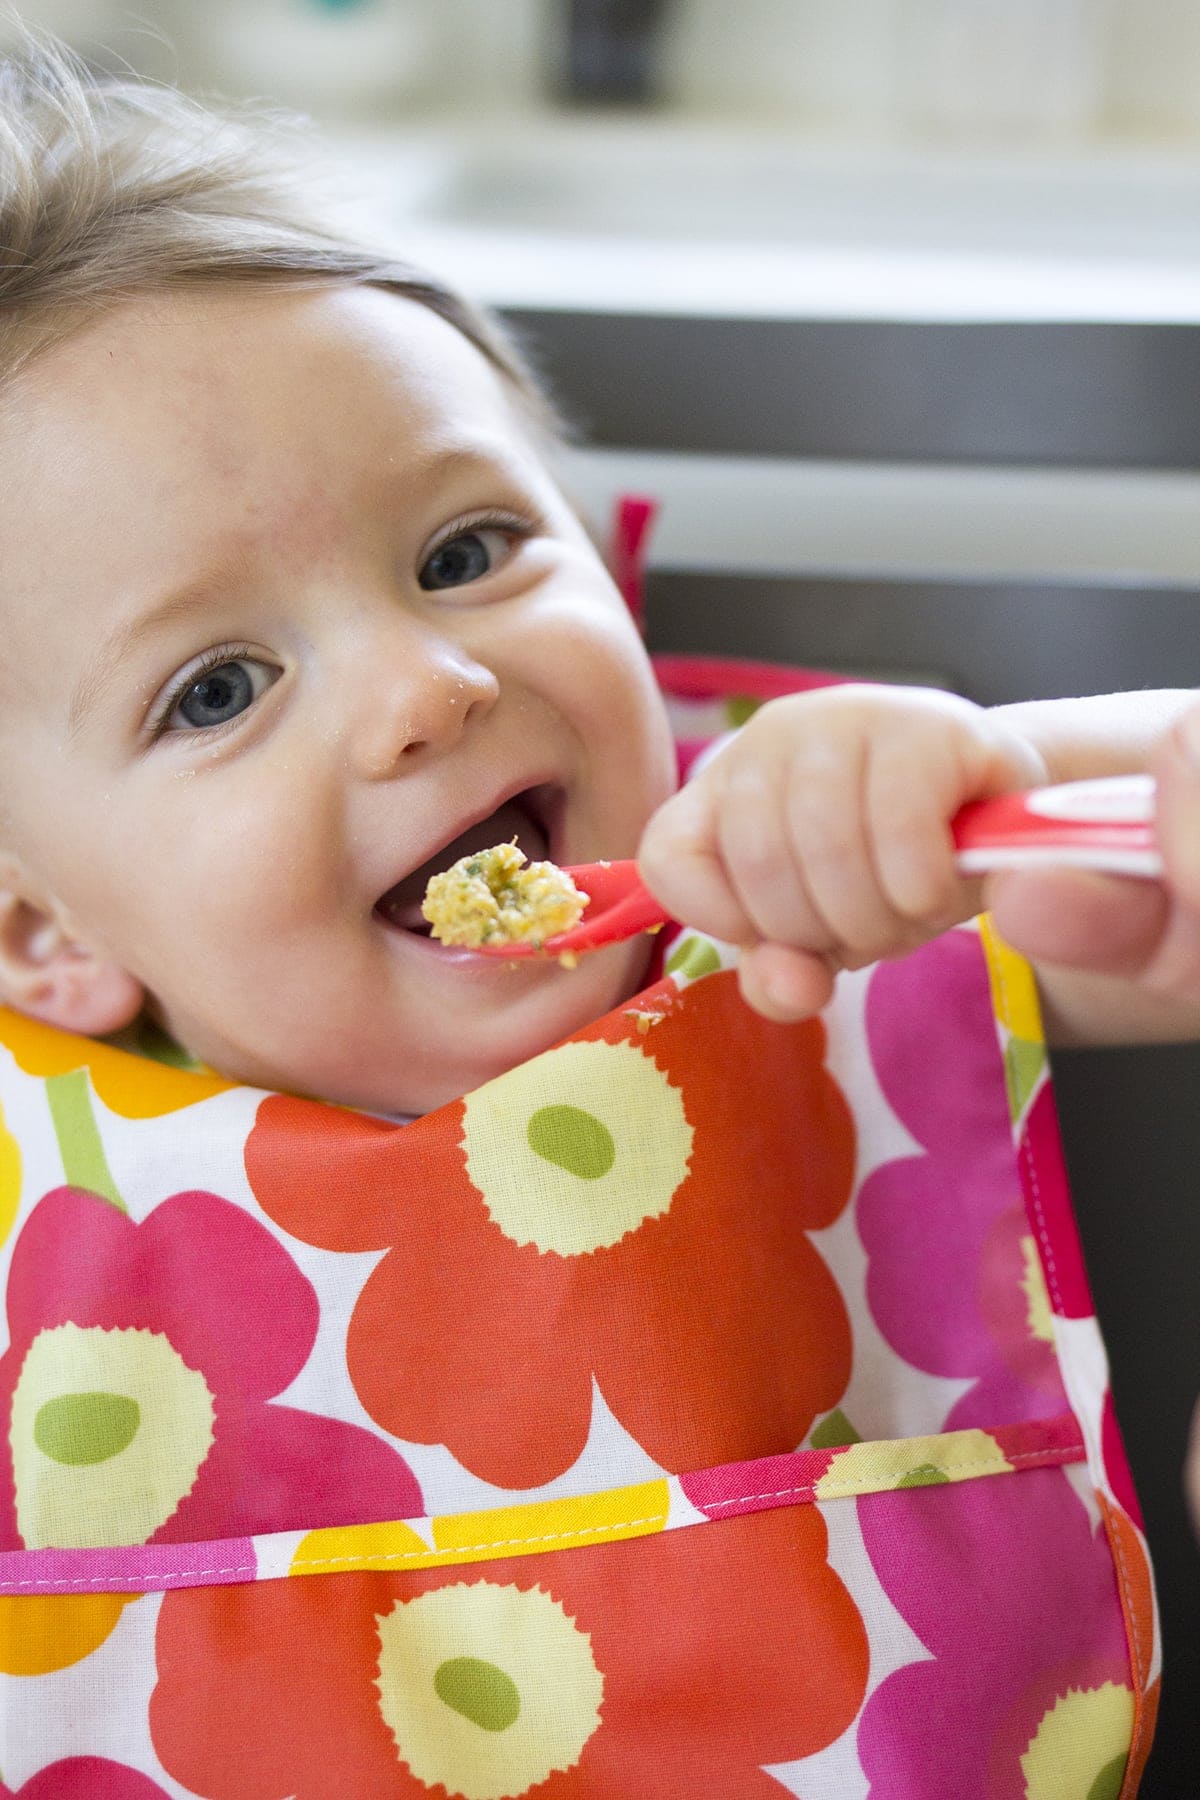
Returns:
(423, 710)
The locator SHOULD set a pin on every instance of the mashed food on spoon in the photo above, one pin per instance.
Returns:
(495, 897)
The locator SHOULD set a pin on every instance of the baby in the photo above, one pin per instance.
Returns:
(295, 614)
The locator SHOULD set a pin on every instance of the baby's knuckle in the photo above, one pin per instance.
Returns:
(823, 835)
(761, 876)
(930, 897)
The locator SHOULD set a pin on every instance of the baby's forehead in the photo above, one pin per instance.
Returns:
(237, 392)
(212, 345)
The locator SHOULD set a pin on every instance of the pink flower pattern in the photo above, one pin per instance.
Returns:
(225, 1294)
(1030, 1615)
(945, 1230)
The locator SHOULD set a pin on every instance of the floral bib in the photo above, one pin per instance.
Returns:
(706, 1407)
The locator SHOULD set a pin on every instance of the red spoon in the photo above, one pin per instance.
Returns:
(1104, 824)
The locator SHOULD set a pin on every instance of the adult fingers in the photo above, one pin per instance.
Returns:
(1080, 919)
(1176, 768)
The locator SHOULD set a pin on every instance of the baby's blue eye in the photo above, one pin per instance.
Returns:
(464, 558)
(220, 693)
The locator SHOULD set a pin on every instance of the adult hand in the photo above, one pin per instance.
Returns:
(1120, 958)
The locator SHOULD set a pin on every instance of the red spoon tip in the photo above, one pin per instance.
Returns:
(618, 907)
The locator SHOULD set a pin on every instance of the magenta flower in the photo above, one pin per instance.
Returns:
(135, 1397)
(954, 1283)
(86, 1778)
(1012, 1593)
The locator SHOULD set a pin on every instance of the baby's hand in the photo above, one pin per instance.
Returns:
(819, 838)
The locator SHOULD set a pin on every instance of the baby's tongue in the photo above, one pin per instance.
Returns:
(401, 905)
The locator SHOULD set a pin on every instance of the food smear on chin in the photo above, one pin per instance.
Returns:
(496, 897)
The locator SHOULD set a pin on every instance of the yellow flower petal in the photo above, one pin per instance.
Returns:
(1014, 990)
(499, 1531)
(603, 1518)
(392, 1545)
(42, 1632)
(1038, 1312)
(10, 1178)
(134, 1086)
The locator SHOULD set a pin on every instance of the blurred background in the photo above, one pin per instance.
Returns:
(895, 306)
(1010, 70)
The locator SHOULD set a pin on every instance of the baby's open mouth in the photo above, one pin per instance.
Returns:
(528, 817)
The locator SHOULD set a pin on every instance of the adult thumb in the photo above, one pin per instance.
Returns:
(1176, 770)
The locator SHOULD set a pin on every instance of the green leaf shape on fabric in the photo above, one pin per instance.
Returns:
(693, 958)
(574, 1139)
(924, 1475)
(480, 1691)
(740, 707)
(75, 1429)
(85, 1164)
(1023, 1065)
(833, 1432)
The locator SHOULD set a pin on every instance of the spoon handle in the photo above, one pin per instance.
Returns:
(1106, 824)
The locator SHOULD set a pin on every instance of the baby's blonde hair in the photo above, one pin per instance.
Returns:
(111, 188)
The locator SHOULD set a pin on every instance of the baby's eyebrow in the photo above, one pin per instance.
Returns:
(480, 454)
(106, 660)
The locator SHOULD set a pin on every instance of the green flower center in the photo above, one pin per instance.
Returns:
(577, 1148)
(576, 1140)
(520, 1692)
(1108, 1782)
(479, 1691)
(86, 1428)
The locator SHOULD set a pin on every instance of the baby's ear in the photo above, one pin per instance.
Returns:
(46, 973)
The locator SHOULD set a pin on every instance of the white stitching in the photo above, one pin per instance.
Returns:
(111, 1584)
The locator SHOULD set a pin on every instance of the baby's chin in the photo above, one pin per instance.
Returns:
(459, 1064)
(469, 1038)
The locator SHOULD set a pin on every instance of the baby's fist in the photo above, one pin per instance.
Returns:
(818, 838)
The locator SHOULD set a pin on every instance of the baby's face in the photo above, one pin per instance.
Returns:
(294, 615)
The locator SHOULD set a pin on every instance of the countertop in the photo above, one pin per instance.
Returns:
(659, 215)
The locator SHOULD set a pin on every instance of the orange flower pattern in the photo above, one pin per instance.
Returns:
(385, 1687)
(708, 1342)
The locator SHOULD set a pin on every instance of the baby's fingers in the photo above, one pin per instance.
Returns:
(909, 821)
(680, 861)
(761, 861)
(783, 984)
